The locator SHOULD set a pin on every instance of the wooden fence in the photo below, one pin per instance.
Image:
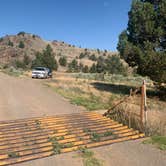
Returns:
(131, 118)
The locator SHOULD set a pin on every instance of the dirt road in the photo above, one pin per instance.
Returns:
(129, 153)
(24, 97)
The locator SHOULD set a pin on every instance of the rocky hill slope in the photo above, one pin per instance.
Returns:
(14, 47)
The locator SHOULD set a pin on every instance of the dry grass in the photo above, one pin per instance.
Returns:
(99, 95)
(128, 114)
(82, 92)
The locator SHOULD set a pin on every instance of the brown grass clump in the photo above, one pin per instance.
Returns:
(129, 114)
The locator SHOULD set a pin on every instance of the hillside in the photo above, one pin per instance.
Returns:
(11, 49)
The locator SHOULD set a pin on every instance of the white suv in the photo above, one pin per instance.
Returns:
(40, 72)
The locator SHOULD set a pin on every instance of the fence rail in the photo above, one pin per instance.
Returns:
(131, 118)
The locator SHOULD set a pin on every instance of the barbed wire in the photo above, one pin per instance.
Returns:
(132, 93)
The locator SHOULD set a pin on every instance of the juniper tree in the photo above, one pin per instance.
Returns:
(143, 43)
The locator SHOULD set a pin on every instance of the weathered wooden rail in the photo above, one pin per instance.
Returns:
(121, 115)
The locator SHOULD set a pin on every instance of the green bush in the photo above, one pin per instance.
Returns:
(21, 44)
(45, 59)
(33, 36)
(63, 61)
(23, 64)
(26, 60)
(115, 66)
(98, 51)
(143, 43)
(111, 64)
(10, 43)
(21, 33)
(1, 39)
(93, 57)
(20, 64)
(82, 55)
(100, 66)
(93, 68)
(73, 66)
(80, 67)
(85, 69)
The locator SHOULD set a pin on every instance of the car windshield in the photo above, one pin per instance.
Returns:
(39, 68)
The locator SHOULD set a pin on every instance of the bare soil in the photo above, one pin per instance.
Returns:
(25, 97)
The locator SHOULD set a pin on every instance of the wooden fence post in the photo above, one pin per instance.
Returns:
(145, 106)
(143, 109)
(142, 104)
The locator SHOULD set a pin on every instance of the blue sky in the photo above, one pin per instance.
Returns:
(85, 23)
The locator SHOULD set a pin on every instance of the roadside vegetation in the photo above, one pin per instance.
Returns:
(158, 141)
(13, 154)
(88, 157)
(99, 92)
(12, 71)
(82, 98)
(143, 43)
(110, 64)
(45, 58)
(95, 88)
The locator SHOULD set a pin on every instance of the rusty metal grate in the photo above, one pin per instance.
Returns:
(28, 139)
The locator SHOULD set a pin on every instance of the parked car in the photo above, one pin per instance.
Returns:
(49, 72)
(41, 72)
